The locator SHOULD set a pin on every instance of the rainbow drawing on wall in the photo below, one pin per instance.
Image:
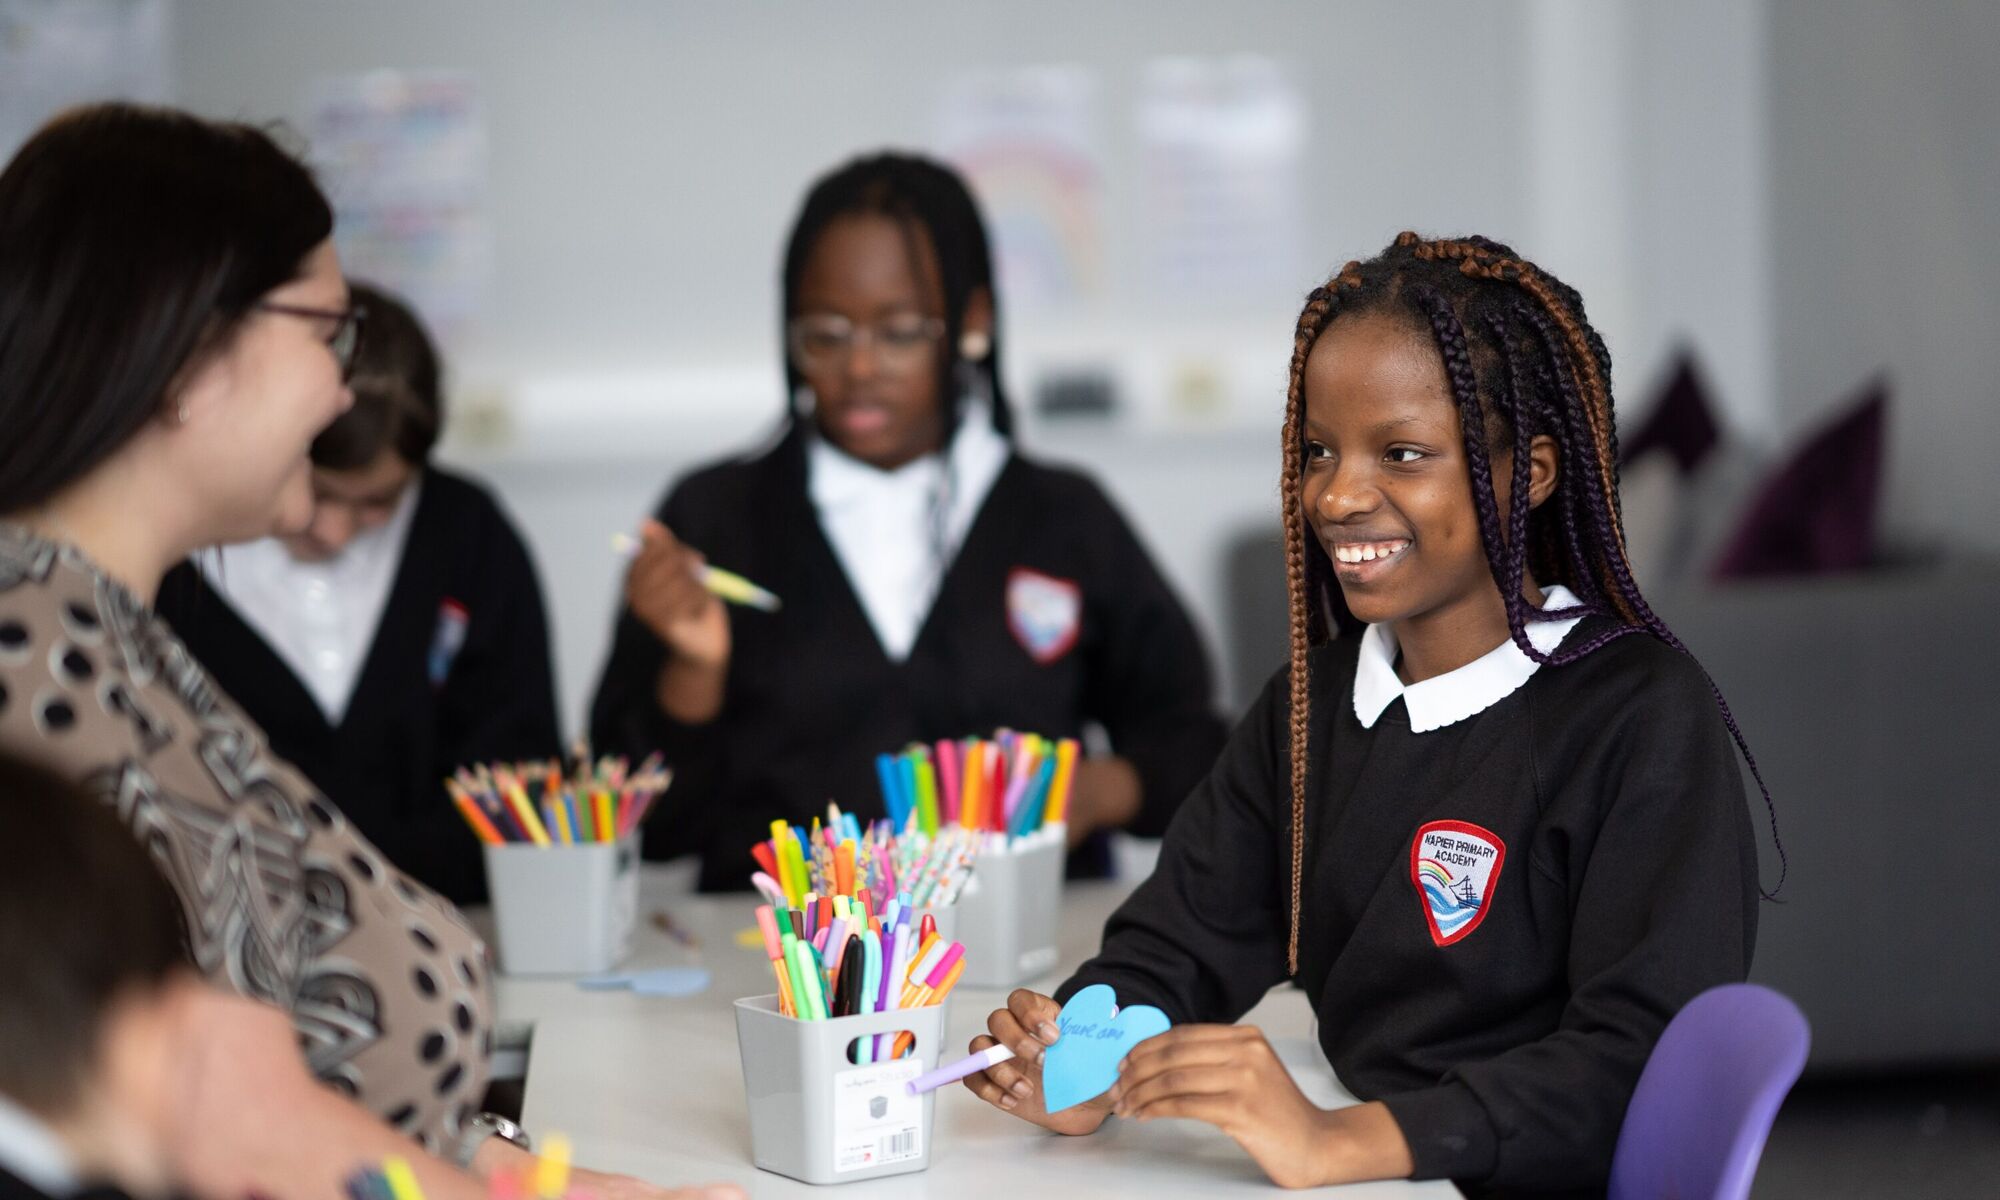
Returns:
(1455, 866)
(1042, 203)
(1026, 140)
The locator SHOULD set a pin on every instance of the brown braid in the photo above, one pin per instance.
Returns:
(1318, 309)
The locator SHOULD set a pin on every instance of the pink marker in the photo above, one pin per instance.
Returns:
(947, 757)
(944, 966)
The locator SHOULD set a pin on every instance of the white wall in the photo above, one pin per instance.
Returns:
(647, 156)
(1885, 167)
(646, 159)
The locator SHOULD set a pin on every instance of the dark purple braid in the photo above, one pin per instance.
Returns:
(1650, 622)
(1583, 578)
(1624, 594)
(1513, 408)
(1450, 336)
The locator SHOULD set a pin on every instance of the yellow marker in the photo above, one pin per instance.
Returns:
(552, 1168)
(781, 837)
(738, 590)
(726, 584)
(1066, 752)
(402, 1181)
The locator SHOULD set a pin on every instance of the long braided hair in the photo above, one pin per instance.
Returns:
(1522, 361)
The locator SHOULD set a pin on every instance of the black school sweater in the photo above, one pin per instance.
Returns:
(1508, 1054)
(811, 697)
(403, 730)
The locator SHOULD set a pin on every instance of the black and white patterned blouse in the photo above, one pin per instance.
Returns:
(387, 985)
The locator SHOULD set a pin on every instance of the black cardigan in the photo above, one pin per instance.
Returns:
(811, 697)
(402, 733)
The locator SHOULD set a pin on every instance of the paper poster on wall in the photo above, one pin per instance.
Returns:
(1221, 142)
(57, 53)
(1026, 139)
(402, 155)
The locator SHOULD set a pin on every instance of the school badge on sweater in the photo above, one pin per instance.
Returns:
(447, 640)
(1455, 866)
(1045, 613)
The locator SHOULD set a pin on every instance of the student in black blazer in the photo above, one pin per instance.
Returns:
(936, 583)
(401, 635)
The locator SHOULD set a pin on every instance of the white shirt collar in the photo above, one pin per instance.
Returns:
(321, 617)
(1454, 695)
(880, 522)
(32, 1152)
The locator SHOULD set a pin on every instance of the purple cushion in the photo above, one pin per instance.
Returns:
(1682, 422)
(1817, 513)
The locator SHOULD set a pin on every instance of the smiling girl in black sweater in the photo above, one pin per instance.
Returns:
(1499, 837)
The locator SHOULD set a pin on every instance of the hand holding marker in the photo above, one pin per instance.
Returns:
(726, 585)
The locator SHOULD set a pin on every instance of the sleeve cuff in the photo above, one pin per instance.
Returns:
(1448, 1132)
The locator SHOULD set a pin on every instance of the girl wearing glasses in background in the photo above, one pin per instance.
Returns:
(935, 582)
(400, 634)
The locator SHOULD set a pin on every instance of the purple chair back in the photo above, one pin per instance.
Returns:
(1705, 1102)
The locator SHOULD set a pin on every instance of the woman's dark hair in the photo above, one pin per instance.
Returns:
(931, 203)
(132, 242)
(1522, 361)
(397, 404)
(85, 917)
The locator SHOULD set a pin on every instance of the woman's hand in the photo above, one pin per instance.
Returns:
(240, 1115)
(665, 591)
(1027, 1026)
(1230, 1077)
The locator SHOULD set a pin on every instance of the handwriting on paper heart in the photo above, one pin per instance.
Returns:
(1096, 1036)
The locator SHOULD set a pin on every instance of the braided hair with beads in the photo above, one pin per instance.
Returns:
(1522, 361)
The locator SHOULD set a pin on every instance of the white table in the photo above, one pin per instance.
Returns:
(653, 1087)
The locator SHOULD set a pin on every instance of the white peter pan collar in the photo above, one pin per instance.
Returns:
(1454, 695)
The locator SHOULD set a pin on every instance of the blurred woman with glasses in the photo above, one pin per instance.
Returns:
(174, 333)
(400, 634)
(934, 582)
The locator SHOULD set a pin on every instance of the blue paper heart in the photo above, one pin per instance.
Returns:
(1096, 1036)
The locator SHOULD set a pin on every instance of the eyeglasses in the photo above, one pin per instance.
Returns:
(900, 343)
(344, 341)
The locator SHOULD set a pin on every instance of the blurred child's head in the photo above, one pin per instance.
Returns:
(889, 307)
(365, 461)
(93, 953)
